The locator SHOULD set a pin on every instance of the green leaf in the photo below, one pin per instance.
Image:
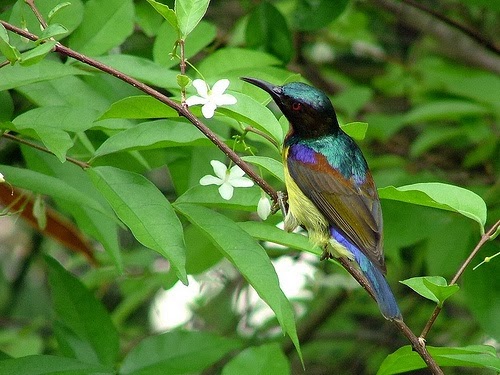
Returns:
(144, 209)
(273, 166)
(442, 196)
(154, 134)
(189, 14)
(37, 54)
(356, 130)
(243, 199)
(249, 111)
(433, 137)
(177, 352)
(106, 24)
(313, 15)
(49, 364)
(14, 76)
(434, 288)
(266, 232)
(268, 359)
(267, 30)
(56, 9)
(166, 13)
(248, 257)
(405, 359)
(444, 110)
(6, 49)
(142, 69)
(53, 31)
(52, 186)
(200, 37)
(224, 60)
(87, 317)
(142, 106)
(183, 81)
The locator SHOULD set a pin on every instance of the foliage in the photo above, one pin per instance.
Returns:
(94, 163)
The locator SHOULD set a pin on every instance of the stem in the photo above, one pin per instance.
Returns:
(37, 13)
(81, 164)
(182, 66)
(484, 238)
(184, 112)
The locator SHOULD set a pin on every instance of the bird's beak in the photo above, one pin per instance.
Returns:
(273, 90)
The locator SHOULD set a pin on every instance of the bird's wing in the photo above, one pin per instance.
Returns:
(352, 209)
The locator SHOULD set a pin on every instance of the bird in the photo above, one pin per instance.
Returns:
(331, 192)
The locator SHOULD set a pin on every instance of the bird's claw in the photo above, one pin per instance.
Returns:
(280, 203)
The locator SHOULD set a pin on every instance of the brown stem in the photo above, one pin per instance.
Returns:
(34, 9)
(484, 238)
(162, 98)
(81, 164)
(182, 66)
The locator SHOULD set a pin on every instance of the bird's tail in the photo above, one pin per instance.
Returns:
(381, 290)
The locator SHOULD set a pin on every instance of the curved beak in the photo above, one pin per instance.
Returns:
(273, 90)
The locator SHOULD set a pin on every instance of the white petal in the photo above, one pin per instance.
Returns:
(220, 169)
(264, 208)
(208, 109)
(241, 182)
(224, 99)
(226, 191)
(220, 86)
(195, 99)
(210, 180)
(201, 87)
(236, 171)
(2, 178)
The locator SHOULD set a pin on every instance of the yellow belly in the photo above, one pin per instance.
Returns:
(303, 212)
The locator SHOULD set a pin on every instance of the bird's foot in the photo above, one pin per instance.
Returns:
(280, 203)
(326, 254)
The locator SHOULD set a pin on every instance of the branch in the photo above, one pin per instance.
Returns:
(453, 42)
(184, 112)
(484, 238)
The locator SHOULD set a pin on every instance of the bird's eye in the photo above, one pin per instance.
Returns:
(296, 106)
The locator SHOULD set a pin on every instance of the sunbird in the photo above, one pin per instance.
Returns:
(330, 188)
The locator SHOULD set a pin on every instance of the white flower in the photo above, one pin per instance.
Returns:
(226, 179)
(263, 207)
(2, 178)
(211, 99)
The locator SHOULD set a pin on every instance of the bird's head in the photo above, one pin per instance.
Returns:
(309, 110)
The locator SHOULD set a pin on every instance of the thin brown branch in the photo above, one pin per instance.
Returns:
(162, 98)
(484, 238)
(14, 138)
(38, 15)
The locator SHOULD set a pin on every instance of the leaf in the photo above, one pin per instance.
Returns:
(313, 15)
(189, 14)
(405, 359)
(6, 49)
(248, 257)
(262, 359)
(166, 13)
(16, 75)
(52, 186)
(141, 106)
(444, 110)
(154, 134)
(37, 54)
(356, 130)
(243, 199)
(442, 196)
(142, 69)
(434, 288)
(249, 111)
(177, 352)
(87, 317)
(50, 364)
(56, 9)
(106, 24)
(144, 209)
(266, 232)
(433, 137)
(271, 165)
(54, 30)
(267, 30)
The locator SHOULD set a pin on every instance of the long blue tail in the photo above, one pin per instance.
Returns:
(383, 293)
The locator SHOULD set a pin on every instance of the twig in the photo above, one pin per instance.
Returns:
(38, 15)
(484, 238)
(81, 164)
(184, 112)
